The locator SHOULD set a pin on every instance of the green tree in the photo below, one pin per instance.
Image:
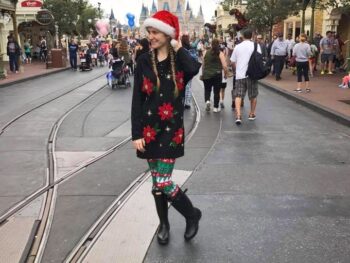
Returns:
(86, 20)
(264, 14)
(72, 16)
(343, 5)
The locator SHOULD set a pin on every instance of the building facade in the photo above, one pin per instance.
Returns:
(224, 21)
(7, 11)
(335, 20)
(189, 23)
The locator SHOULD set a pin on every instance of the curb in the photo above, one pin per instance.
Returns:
(32, 77)
(327, 112)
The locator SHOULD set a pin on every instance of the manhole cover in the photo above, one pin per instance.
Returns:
(345, 101)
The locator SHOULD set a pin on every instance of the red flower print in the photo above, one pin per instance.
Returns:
(165, 111)
(178, 136)
(180, 80)
(147, 86)
(149, 133)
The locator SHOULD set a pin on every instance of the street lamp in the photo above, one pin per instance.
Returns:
(56, 31)
(312, 28)
(99, 10)
(304, 3)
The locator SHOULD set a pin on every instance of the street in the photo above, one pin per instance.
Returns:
(272, 190)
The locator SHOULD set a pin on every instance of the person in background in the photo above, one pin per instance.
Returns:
(185, 41)
(338, 47)
(125, 53)
(213, 63)
(313, 58)
(270, 61)
(290, 42)
(14, 52)
(263, 47)
(327, 53)
(279, 52)
(73, 49)
(302, 52)
(28, 51)
(43, 49)
(141, 48)
(240, 61)
(224, 50)
(316, 41)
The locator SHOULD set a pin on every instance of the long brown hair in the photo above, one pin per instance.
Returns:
(171, 53)
(215, 47)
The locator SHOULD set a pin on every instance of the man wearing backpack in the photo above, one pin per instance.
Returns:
(240, 60)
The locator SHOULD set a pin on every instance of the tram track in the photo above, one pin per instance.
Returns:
(50, 181)
(85, 244)
(42, 226)
(9, 123)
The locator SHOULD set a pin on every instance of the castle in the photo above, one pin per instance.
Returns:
(189, 23)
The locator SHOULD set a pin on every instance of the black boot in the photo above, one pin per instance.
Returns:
(183, 205)
(162, 210)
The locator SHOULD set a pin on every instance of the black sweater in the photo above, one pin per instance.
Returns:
(157, 115)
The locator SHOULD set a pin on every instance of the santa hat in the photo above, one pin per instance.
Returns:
(165, 22)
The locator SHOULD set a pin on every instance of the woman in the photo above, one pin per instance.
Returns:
(157, 117)
(125, 53)
(185, 41)
(224, 50)
(28, 52)
(312, 58)
(213, 63)
(302, 51)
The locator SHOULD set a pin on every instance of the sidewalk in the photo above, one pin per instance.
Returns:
(326, 97)
(31, 71)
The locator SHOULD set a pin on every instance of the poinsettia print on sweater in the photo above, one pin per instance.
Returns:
(157, 113)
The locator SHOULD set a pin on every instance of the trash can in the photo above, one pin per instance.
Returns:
(57, 58)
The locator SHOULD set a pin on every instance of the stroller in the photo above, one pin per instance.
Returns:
(119, 74)
(85, 60)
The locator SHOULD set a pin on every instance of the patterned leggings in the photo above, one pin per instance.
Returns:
(161, 171)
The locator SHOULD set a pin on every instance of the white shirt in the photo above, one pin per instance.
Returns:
(241, 56)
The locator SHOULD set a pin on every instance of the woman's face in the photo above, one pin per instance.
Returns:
(157, 39)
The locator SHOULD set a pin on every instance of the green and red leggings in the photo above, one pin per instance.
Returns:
(161, 171)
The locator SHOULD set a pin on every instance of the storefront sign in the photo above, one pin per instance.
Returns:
(44, 17)
(31, 3)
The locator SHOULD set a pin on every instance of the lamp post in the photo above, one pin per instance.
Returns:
(99, 10)
(305, 3)
(57, 38)
(312, 27)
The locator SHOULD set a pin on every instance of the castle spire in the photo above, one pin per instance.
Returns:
(111, 17)
(166, 6)
(188, 8)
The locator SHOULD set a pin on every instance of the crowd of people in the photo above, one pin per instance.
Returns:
(25, 54)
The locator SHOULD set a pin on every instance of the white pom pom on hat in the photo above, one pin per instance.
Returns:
(174, 43)
(165, 22)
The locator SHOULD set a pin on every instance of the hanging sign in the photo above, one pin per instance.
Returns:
(44, 17)
(31, 3)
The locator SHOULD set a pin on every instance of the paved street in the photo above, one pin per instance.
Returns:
(272, 190)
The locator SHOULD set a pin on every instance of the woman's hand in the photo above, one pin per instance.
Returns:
(139, 144)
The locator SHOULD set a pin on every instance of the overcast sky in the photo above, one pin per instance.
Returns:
(122, 7)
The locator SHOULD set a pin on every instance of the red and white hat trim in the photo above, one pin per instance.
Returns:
(160, 25)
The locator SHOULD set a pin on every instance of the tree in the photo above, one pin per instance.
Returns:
(86, 20)
(264, 14)
(72, 16)
(343, 5)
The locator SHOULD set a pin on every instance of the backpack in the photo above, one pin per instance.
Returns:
(257, 69)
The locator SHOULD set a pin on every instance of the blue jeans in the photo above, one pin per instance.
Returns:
(73, 60)
(13, 62)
